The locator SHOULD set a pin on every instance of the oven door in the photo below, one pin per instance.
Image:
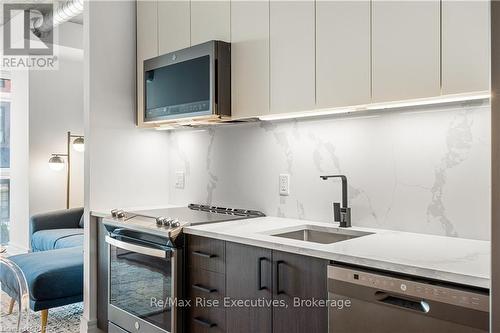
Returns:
(142, 279)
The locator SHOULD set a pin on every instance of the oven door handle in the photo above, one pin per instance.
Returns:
(137, 248)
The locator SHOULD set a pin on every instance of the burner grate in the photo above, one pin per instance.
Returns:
(227, 211)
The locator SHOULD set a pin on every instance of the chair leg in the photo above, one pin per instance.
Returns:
(44, 316)
(11, 305)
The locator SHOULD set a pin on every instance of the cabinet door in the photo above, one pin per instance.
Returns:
(173, 25)
(249, 58)
(406, 49)
(210, 20)
(292, 52)
(465, 45)
(299, 277)
(342, 53)
(147, 45)
(248, 277)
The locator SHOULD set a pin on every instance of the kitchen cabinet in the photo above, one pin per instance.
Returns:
(207, 254)
(147, 45)
(210, 20)
(248, 271)
(405, 49)
(249, 58)
(304, 278)
(343, 53)
(465, 46)
(206, 280)
(248, 276)
(173, 26)
(237, 272)
(292, 56)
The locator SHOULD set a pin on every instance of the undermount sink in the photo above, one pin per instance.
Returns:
(321, 235)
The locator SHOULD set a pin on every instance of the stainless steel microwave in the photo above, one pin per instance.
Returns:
(192, 83)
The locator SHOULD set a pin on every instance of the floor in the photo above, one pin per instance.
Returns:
(65, 319)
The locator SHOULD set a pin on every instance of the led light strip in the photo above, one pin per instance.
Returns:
(380, 106)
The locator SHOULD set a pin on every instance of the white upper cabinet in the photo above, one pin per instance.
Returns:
(173, 25)
(147, 45)
(465, 46)
(249, 58)
(342, 53)
(210, 20)
(405, 49)
(292, 61)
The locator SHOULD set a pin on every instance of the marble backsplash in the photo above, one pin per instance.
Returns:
(424, 170)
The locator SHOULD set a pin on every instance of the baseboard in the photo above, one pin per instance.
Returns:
(87, 326)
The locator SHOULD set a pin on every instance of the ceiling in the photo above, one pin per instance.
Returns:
(77, 19)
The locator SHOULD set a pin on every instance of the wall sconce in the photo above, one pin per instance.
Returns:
(57, 162)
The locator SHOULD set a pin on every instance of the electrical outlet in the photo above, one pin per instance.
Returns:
(284, 184)
(179, 179)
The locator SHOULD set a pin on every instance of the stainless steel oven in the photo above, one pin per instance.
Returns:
(144, 282)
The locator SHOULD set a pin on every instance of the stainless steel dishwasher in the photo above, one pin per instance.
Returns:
(370, 301)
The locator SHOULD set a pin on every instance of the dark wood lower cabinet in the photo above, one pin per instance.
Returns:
(262, 287)
(249, 279)
(304, 279)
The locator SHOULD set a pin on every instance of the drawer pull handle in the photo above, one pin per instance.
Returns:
(203, 288)
(203, 254)
(204, 322)
(279, 291)
(259, 272)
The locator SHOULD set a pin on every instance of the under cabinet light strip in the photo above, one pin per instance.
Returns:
(380, 106)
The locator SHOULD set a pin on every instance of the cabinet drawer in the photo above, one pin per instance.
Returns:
(206, 320)
(206, 253)
(206, 284)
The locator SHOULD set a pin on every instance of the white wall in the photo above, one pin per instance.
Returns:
(423, 170)
(46, 104)
(127, 165)
(19, 162)
(56, 107)
(124, 166)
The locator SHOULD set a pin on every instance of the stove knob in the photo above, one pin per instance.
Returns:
(113, 212)
(175, 224)
(120, 214)
(159, 220)
(166, 221)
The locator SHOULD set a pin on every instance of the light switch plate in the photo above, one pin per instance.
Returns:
(179, 179)
(284, 183)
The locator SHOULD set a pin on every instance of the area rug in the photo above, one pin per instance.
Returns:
(65, 319)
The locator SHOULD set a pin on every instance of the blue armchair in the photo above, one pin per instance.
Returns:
(56, 230)
(54, 270)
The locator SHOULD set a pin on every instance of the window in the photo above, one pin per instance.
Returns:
(4, 134)
(5, 100)
(5, 85)
(4, 210)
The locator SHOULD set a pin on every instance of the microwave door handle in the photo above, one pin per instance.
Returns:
(136, 248)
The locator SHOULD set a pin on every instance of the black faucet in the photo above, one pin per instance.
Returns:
(341, 214)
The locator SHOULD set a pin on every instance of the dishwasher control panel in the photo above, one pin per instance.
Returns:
(416, 289)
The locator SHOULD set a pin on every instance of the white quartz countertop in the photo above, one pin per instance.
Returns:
(458, 260)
